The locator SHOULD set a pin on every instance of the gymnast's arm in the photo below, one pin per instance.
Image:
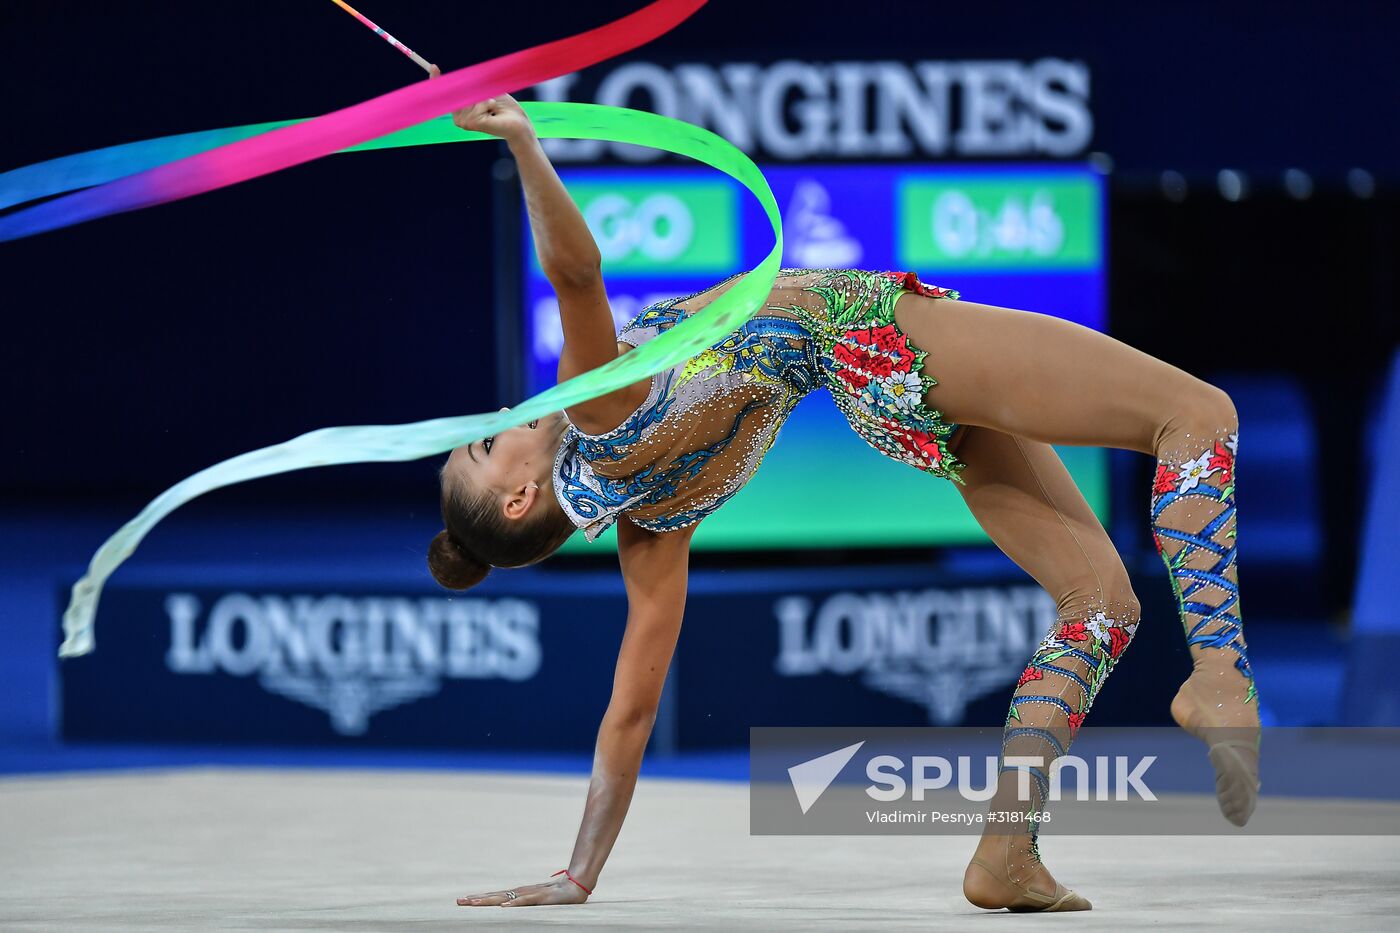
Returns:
(569, 258)
(654, 568)
(571, 261)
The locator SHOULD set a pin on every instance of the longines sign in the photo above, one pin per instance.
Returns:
(792, 110)
(530, 666)
(352, 656)
(939, 648)
(317, 664)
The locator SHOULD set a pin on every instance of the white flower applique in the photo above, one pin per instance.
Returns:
(1099, 625)
(905, 390)
(1193, 471)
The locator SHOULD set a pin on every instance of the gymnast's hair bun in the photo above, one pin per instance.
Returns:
(452, 566)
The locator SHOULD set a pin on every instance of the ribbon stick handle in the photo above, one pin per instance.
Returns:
(417, 59)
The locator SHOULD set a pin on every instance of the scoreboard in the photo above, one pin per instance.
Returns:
(1022, 236)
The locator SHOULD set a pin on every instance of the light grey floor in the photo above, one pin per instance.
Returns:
(390, 851)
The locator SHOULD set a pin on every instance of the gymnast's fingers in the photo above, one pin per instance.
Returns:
(490, 899)
(465, 117)
(537, 896)
(434, 72)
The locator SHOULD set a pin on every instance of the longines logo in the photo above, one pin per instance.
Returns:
(941, 648)
(353, 656)
(795, 110)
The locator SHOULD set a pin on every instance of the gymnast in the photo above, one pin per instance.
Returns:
(968, 392)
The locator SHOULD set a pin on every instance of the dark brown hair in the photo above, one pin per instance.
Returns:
(478, 537)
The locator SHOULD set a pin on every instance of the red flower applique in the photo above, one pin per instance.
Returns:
(918, 443)
(1076, 720)
(1118, 639)
(1224, 461)
(905, 280)
(909, 281)
(846, 355)
(1166, 480)
(888, 338)
(869, 361)
(856, 379)
(1074, 631)
(1029, 674)
(878, 351)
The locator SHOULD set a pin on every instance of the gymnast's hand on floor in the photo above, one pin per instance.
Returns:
(500, 116)
(558, 890)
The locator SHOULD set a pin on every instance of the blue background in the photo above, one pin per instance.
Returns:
(141, 348)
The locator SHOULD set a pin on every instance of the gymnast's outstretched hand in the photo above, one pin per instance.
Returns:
(499, 116)
(559, 890)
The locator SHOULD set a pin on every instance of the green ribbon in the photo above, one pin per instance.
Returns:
(385, 443)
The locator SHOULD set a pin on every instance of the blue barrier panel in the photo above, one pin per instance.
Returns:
(1373, 697)
(853, 647)
(527, 663)
(306, 665)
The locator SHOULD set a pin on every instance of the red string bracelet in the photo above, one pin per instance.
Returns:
(565, 873)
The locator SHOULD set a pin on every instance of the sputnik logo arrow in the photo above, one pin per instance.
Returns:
(811, 778)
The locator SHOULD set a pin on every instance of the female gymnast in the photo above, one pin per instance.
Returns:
(655, 458)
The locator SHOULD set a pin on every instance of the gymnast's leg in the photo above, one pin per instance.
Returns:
(1026, 501)
(1048, 380)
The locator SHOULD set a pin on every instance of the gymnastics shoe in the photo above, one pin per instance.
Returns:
(1233, 749)
(985, 887)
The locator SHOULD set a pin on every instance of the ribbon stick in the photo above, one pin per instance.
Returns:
(417, 59)
(301, 142)
(383, 443)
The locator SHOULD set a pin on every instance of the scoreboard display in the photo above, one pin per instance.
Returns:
(1020, 236)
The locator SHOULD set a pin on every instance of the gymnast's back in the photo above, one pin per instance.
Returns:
(706, 423)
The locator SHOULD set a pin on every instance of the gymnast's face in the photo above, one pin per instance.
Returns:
(512, 466)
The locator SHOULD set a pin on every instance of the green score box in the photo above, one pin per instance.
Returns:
(975, 222)
(665, 227)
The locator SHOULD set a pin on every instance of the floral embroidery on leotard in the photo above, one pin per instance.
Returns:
(874, 374)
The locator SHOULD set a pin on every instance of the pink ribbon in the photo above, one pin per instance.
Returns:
(302, 142)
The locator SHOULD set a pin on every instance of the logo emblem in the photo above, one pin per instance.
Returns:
(811, 778)
(350, 701)
(816, 238)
